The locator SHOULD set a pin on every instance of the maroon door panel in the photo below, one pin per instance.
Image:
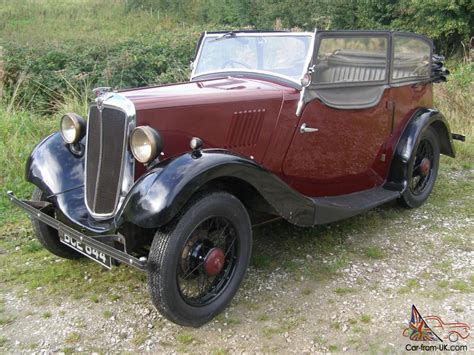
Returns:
(339, 156)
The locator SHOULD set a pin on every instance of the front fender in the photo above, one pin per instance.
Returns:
(157, 197)
(59, 173)
(421, 119)
(53, 167)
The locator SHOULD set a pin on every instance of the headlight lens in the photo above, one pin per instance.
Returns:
(72, 128)
(145, 144)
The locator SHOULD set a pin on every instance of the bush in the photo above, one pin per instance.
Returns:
(42, 76)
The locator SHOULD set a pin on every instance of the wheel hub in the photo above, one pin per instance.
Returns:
(214, 261)
(425, 166)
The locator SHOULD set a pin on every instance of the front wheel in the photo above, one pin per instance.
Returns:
(48, 236)
(422, 169)
(196, 266)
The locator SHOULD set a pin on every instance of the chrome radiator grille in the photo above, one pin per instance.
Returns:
(107, 133)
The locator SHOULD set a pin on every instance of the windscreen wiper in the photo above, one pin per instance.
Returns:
(226, 35)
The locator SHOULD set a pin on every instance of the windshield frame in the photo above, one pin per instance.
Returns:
(242, 71)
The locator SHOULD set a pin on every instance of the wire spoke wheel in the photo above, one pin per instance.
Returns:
(422, 167)
(196, 264)
(207, 261)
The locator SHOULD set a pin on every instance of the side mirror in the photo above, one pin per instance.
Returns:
(306, 78)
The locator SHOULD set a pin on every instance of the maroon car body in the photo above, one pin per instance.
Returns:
(309, 127)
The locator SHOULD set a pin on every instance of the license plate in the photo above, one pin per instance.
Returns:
(87, 250)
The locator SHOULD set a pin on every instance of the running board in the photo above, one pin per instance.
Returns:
(334, 208)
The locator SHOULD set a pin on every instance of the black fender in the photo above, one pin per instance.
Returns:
(421, 119)
(53, 167)
(157, 197)
(57, 169)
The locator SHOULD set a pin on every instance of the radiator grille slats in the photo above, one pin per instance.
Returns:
(105, 150)
(245, 128)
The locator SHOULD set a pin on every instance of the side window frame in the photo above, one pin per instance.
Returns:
(320, 35)
(409, 80)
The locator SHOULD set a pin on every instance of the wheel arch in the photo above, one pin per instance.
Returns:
(420, 120)
(157, 197)
(250, 196)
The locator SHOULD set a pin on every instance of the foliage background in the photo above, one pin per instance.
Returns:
(52, 53)
(53, 48)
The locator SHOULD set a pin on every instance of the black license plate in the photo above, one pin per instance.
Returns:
(82, 247)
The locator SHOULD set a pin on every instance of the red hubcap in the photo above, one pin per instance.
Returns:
(425, 166)
(214, 261)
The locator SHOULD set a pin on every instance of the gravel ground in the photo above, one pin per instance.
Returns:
(356, 295)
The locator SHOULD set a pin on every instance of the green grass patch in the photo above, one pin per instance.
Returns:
(3, 340)
(4, 320)
(32, 246)
(344, 290)
(461, 286)
(139, 338)
(373, 252)
(72, 338)
(263, 317)
(186, 338)
(443, 283)
(411, 286)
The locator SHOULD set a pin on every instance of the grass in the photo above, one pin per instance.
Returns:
(373, 252)
(139, 338)
(186, 339)
(72, 338)
(461, 286)
(21, 21)
(344, 290)
(3, 340)
(47, 315)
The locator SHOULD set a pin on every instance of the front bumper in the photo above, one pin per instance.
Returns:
(36, 210)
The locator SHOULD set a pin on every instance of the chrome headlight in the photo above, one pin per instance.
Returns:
(72, 128)
(145, 144)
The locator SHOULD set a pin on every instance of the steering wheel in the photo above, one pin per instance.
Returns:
(232, 63)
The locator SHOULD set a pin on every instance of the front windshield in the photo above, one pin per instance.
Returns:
(282, 54)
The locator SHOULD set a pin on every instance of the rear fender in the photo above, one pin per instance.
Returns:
(157, 197)
(421, 119)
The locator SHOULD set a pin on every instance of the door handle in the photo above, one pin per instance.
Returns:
(306, 129)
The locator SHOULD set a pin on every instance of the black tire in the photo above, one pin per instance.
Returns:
(187, 245)
(47, 236)
(420, 185)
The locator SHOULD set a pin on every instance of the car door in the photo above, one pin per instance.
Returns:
(346, 120)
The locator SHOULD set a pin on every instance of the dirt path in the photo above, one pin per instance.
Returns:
(348, 286)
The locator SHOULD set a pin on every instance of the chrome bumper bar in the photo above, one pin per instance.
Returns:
(34, 209)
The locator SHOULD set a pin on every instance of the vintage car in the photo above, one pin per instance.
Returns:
(312, 127)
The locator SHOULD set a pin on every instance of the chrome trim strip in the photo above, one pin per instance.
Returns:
(121, 103)
(309, 59)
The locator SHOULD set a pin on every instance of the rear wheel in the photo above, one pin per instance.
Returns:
(47, 236)
(422, 170)
(196, 266)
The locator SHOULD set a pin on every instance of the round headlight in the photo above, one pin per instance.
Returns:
(73, 128)
(145, 144)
